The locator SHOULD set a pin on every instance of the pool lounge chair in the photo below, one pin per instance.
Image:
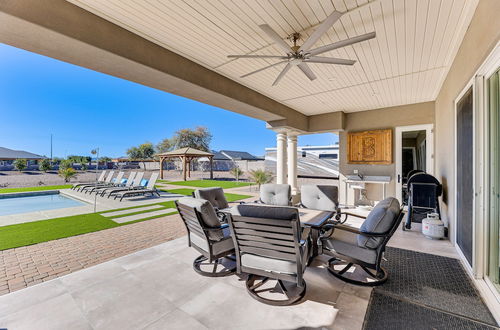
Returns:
(116, 182)
(107, 182)
(135, 184)
(150, 189)
(125, 183)
(99, 180)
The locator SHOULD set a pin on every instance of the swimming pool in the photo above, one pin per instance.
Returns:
(40, 201)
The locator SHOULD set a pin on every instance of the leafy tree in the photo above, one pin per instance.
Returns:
(199, 138)
(142, 152)
(105, 159)
(83, 166)
(45, 165)
(20, 164)
(261, 177)
(65, 164)
(67, 173)
(236, 172)
(165, 145)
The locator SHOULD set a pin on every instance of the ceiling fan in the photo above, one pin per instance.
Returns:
(299, 56)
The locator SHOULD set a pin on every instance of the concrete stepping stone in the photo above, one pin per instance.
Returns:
(143, 215)
(145, 208)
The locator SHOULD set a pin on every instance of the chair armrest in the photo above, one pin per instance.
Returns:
(306, 232)
(357, 231)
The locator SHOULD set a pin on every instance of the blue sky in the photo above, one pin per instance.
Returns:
(84, 109)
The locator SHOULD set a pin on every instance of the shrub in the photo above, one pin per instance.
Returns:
(65, 164)
(67, 173)
(20, 164)
(45, 165)
(236, 172)
(261, 176)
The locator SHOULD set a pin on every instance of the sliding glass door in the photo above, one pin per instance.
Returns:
(493, 266)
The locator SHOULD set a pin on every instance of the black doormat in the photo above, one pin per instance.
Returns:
(386, 313)
(438, 283)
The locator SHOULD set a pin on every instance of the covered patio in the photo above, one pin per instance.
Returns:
(432, 69)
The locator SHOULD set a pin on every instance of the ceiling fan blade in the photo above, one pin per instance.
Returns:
(257, 56)
(262, 69)
(342, 43)
(329, 60)
(327, 24)
(307, 71)
(276, 37)
(282, 74)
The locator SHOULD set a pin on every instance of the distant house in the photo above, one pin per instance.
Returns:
(8, 156)
(225, 160)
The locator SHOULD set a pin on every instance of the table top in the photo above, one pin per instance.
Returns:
(308, 217)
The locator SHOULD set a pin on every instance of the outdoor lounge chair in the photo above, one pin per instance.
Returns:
(125, 183)
(270, 245)
(208, 236)
(275, 194)
(99, 180)
(135, 184)
(115, 182)
(364, 247)
(107, 181)
(150, 189)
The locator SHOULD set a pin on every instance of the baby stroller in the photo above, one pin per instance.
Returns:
(423, 193)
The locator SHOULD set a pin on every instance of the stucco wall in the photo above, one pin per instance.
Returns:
(481, 37)
(413, 114)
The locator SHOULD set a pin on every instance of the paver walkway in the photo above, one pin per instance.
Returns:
(26, 266)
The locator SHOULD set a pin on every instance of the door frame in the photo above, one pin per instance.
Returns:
(429, 166)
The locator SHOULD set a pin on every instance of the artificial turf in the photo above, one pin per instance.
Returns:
(47, 230)
(211, 183)
(37, 188)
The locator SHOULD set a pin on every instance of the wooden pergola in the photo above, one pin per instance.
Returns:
(186, 155)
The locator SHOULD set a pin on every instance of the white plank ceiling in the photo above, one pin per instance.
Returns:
(406, 63)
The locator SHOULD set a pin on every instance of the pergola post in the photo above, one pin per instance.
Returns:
(189, 166)
(161, 167)
(184, 167)
(211, 168)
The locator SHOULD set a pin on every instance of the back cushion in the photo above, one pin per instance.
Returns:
(275, 194)
(208, 215)
(379, 221)
(214, 195)
(320, 197)
(267, 212)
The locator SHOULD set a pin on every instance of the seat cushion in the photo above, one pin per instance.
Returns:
(214, 195)
(225, 244)
(319, 197)
(379, 221)
(266, 212)
(275, 194)
(346, 243)
(276, 265)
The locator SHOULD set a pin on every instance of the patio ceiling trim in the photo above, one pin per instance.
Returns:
(61, 30)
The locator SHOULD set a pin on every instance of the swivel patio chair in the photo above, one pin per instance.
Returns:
(320, 197)
(275, 194)
(364, 247)
(423, 197)
(270, 244)
(208, 236)
(216, 197)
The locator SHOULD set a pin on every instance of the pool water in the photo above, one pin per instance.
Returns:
(24, 204)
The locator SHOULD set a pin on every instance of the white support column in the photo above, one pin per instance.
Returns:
(292, 163)
(280, 158)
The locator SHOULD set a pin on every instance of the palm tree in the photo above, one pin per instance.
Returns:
(67, 173)
(236, 172)
(261, 177)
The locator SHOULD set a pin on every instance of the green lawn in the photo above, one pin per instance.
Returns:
(37, 188)
(188, 192)
(46, 230)
(211, 183)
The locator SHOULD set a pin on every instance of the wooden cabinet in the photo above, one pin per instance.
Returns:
(370, 147)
